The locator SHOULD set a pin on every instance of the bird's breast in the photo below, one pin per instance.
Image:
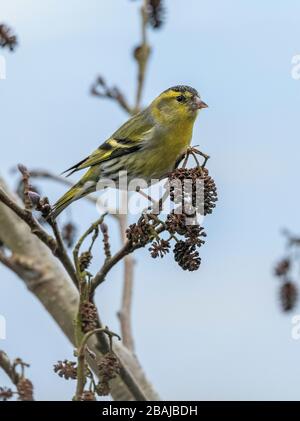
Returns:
(168, 145)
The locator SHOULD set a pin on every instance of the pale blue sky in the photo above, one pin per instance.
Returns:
(217, 333)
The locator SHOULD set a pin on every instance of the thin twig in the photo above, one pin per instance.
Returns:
(100, 276)
(123, 252)
(61, 251)
(23, 385)
(81, 377)
(82, 238)
(7, 38)
(100, 89)
(129, 379)
(125, 312)
(142, 55)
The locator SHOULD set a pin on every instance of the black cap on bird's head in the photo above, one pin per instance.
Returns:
(185, 90)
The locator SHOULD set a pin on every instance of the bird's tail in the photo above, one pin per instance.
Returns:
(80, 189)
(69, 197)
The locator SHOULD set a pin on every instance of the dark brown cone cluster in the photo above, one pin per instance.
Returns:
(176, 223)
(159, 248)
(288, 292)
(282, 268)
(7, 39)
(185, 253)
(88, 395)
(210, 193)
(88, 316)
(5, 394)
(25, 389)
(108, 368)
(66, 369)
(288, 296)
(85, 260)
(156, 13)
(194, 189)
(194, 235)
(187, 256)
(179, 222)
(140, 232)
(103, 389)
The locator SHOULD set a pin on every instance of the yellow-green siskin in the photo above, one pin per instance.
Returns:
(148, 146)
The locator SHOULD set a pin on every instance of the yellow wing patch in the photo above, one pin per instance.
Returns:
(110, 149)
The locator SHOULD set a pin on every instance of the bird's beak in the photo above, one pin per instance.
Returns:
(199, 103)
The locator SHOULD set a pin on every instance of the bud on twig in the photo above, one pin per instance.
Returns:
(104, 230)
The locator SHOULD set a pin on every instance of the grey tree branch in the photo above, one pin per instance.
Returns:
(8, 368)
(55, 245)
(47, 279)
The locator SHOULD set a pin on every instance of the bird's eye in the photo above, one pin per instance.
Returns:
(180, 98)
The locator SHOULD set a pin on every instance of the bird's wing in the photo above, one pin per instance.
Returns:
(130, 137)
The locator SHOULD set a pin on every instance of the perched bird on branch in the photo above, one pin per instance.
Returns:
(148, 146)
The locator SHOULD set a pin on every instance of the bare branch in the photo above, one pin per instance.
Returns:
(100, 89)
(81, 352)
(50, 283)
(125, 312)
(127, 248)
(100, 276)
(79, 243)
(141, 54)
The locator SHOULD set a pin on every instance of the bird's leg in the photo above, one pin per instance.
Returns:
(157, 205)
(146, 196)
(206, 158)
(196, 159)
(163, 199)
(192, 150)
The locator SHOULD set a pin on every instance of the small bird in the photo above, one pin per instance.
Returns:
(148, 146)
